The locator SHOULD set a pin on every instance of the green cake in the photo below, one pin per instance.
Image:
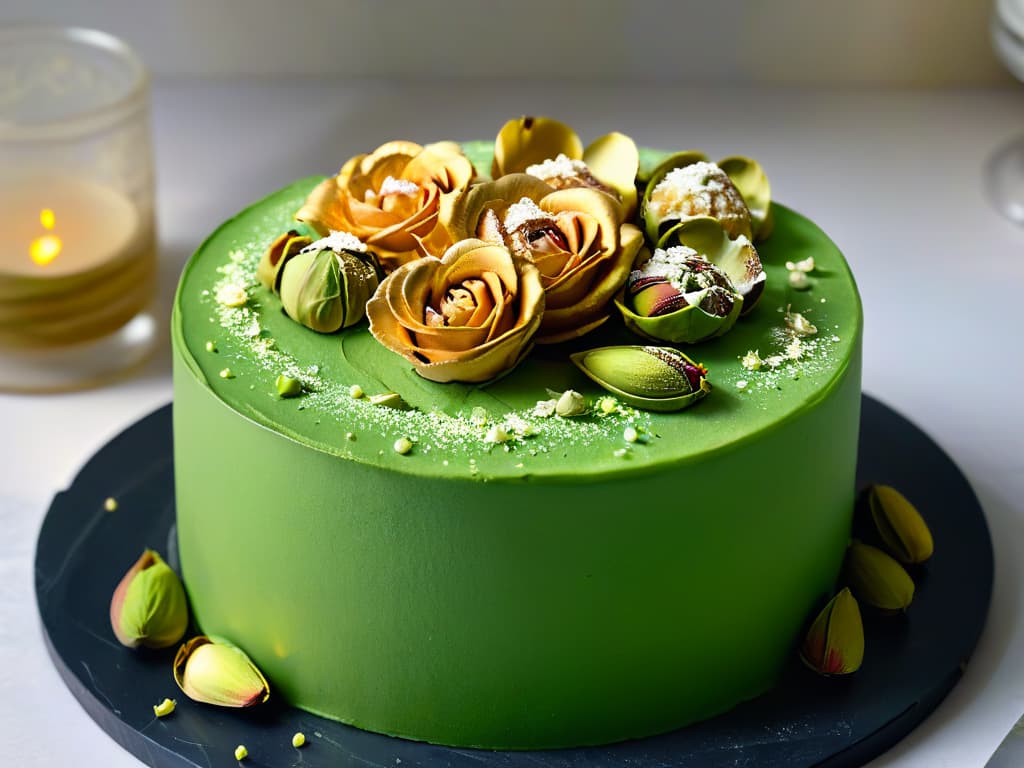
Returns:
(481, 566)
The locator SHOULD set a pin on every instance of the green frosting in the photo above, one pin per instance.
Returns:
(564, 587)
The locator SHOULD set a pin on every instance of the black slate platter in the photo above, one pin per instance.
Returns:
(910, 661)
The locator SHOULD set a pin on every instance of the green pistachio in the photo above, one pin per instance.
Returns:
(276, 256)
(327, 291)
(288, 386)
(876, 578)
(148, 607)
(834, 644)
(899, 524)
(217, 672)
(650, 378)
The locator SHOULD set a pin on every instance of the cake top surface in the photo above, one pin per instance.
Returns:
(776, 362)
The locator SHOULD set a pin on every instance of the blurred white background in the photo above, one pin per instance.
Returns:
(868, 42)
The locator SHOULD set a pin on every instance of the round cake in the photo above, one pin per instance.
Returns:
(474, 564)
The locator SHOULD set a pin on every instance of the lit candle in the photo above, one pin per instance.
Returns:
(77, 261)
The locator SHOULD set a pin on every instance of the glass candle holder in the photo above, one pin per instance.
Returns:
(77, 230)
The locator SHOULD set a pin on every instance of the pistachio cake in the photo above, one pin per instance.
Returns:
(574, 528)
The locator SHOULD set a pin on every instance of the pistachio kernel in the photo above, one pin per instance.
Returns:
(570, 403)
(299, 739)
(164, 708)
(877, 579)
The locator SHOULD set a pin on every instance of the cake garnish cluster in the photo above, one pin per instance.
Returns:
(462, 270)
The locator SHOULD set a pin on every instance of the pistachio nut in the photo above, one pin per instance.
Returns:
(899, 524)
(148, 607)
(326, 290)
(649, 378)
(217, 672)
(734, 191)
(834, 645)
(737, 257)
(678, 295)
(876, 578)
(268, 271)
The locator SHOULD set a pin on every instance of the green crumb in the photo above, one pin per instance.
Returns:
(298, 739)
(241, 752)
(110, 504)
(211, 347)
(164, 708)
(403, 445)
(226, 373)
(288, 386)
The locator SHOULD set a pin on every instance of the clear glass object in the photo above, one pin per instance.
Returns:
(1005, 172)
(77, 230)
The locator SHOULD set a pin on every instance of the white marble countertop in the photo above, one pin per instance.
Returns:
(894, 176)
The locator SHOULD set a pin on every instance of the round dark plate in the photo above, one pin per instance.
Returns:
(910, 663)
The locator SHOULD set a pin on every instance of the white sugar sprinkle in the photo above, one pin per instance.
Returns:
(337, 241)
(393, 186)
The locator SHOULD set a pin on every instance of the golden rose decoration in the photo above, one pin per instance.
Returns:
(553, 152)
(392, 199)
(576, 237)
(468, 316)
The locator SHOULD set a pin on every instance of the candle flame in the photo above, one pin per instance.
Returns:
(45, 249)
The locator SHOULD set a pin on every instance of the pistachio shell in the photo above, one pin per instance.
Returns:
(834, 644)
(752, 182)
(276, 256)
(218, 673)
(736, 257)
(650, 378)
(526, 141)
(876, 578)
(899, 524)
(148, 607)
(615, 160)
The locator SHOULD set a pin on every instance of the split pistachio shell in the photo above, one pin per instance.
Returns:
(834, 644)
(611, 160)
(752, 182)
(736, 257)
(327, 291)
(748, 215)
(649, 378)
(148, 607)
(877, 579)
(216, 672)
(899, 524)
(276, 256)
(700, 302)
